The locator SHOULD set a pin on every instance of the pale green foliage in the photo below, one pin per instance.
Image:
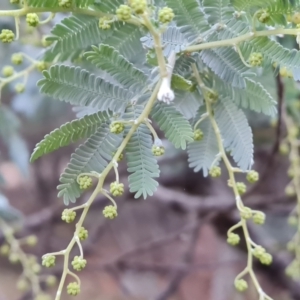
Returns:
(236, 133)
(93, 155)
(68, 133)
(203, 153)
(54, 3)
(140, 160)
(219, 11)
(79, 87)
(111, 61)
(176, 128)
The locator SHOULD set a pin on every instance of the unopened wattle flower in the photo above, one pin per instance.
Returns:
(165, 93)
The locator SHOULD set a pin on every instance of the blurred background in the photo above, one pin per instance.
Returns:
(171, 246)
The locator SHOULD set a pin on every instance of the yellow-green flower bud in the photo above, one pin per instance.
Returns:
(212, 96)
(110, 212)
(117, 189)
(41, 66)
(138, 6)
(32, 19)
(51, 281)
(8, 71)
(17, 58)
(22, 285)
(259, 218)
(284, 149)
(117, 127)
(48, 261)
(263, 16)
(36, 268)
(123, 12)
(241, 187)
(246, 213)
(104, 23)
(19, 88)
(266, 259)
(83, 234)
(14, 258)
(252, 176)
(78, 263)
(296, 18)
(233, 239)
(73, 289)
(241, 285)
(215, 172)
(31, 240)
(290, 191)
(68, 215)
(291, 246)
(255, 59)
(166, 15)
(7, 36)
(293, 221)
(4, 250)
(258, 252)
(198, 135)
(158, 150)
(85, 182)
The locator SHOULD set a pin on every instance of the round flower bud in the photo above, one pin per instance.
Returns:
(296, 18)
(51, 281)
(241, 187)
(41, 66)
(266, 259)
(291, 172)
(293, 270)
(110, 212)
(104, 23)
(73, 289)
(78, 263)
(291, 246)
(233, 239)
(158, 150)
(7, 36)
(215, 172)
(22, 285)
(4, 250)
(255, 59)
(165, 15)
(252, 176)
(246, 213)
(258, 252)
(68, 215)
(83, 234)
(284, 149)
(117, 189)
(17, 58)
(31, 240)
(284, 72)
(36, 268)
(48, 261)
(293, 221)
(32, 19)
(14, 258)
(290, 191)
(263, 16)
(8, 71)
(123, 12)
(241, 285)
(85, 182)
(138, 6)
(198, 135)
(259, 218)
(65, 3)
(20, 88)
(116, 127)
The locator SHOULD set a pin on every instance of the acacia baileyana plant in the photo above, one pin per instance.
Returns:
(188, 66)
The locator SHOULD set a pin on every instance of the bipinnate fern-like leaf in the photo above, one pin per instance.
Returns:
(108, 59)
(236, 132)
(218, 11)
(69, 133)
(189, 17)
(78, 32)
(93, 155)
(78, 87)
(107, 6)
(201, 154)
(55, 3)
(141, 163)
(254, 97)
(226, 63)
(175, 127)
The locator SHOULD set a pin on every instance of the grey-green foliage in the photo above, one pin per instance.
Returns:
(141, 162)
(125, 57)
(93, 155)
